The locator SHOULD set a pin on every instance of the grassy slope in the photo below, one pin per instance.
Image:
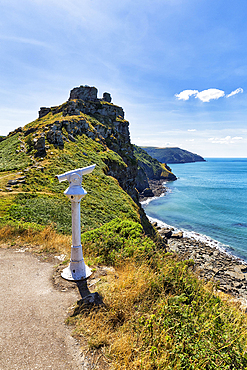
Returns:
(40, 200)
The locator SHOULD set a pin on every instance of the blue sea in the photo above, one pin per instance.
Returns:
(208, 202)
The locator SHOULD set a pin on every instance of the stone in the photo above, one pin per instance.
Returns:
(39, 143)
(177, 235)
(86, 93)
(44, 111)
(12, 182)
(107, 97)
(235, 275)
(165, 232)
(148, 192)
(55, 137)
(71, 137)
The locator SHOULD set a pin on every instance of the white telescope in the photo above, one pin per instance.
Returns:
(77, 270)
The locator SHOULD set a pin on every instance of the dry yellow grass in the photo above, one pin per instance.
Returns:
(46, 240)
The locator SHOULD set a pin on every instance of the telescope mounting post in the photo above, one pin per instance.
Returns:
(77, 270)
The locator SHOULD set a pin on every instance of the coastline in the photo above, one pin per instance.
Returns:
(211, 260)
(157, 188)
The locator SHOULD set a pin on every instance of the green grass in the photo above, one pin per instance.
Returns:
(41, 198)
(117, 240)
(9, 159)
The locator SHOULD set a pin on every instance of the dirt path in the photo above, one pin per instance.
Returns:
(32, 314)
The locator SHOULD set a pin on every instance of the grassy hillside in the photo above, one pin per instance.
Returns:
(40, 199)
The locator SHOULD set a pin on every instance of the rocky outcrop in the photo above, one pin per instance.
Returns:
(39, 146)
(85, 93)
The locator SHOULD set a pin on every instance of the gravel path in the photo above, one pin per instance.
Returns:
(32, 314)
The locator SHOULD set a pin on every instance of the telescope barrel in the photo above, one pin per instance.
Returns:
(79, 171)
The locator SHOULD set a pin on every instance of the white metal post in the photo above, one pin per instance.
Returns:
(77, 270)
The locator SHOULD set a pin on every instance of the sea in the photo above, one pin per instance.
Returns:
(208, 202)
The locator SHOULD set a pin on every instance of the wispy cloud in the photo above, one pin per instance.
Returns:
(237, 91)
(192, 130)
(24, 40)
(225, 140)
(206, 95)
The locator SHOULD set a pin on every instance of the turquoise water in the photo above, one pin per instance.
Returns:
(209, 198)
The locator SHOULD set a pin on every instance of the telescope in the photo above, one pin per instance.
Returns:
(77, 270)
(79, 171)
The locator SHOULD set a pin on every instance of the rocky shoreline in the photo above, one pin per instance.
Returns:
(229, 272)
(156, 189)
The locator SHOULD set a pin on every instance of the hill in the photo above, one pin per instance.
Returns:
(80, 132)
(172, 155)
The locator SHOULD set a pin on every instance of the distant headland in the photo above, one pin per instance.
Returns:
(172, 155)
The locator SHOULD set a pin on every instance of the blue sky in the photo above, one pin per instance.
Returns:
(177, 67)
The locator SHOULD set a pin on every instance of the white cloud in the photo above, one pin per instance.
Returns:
(192, 130)
(204, 96)
(210, 94)
(186, 94)
(225, 140)
(237, 91)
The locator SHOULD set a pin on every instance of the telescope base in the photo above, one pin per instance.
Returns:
(76, 271)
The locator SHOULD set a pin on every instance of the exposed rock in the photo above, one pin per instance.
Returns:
(148, 193)
(157, 187)
(39, 145)
(12, 182)
(30, 130)
(177, 235)
(55, 137)
(71, 138)
(44, 111)
(91, 299)
(165, 232)
(19, 129)
(85, 93)
(141, 180)
(107, 97)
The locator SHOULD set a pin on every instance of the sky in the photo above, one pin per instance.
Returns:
(177, 67)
